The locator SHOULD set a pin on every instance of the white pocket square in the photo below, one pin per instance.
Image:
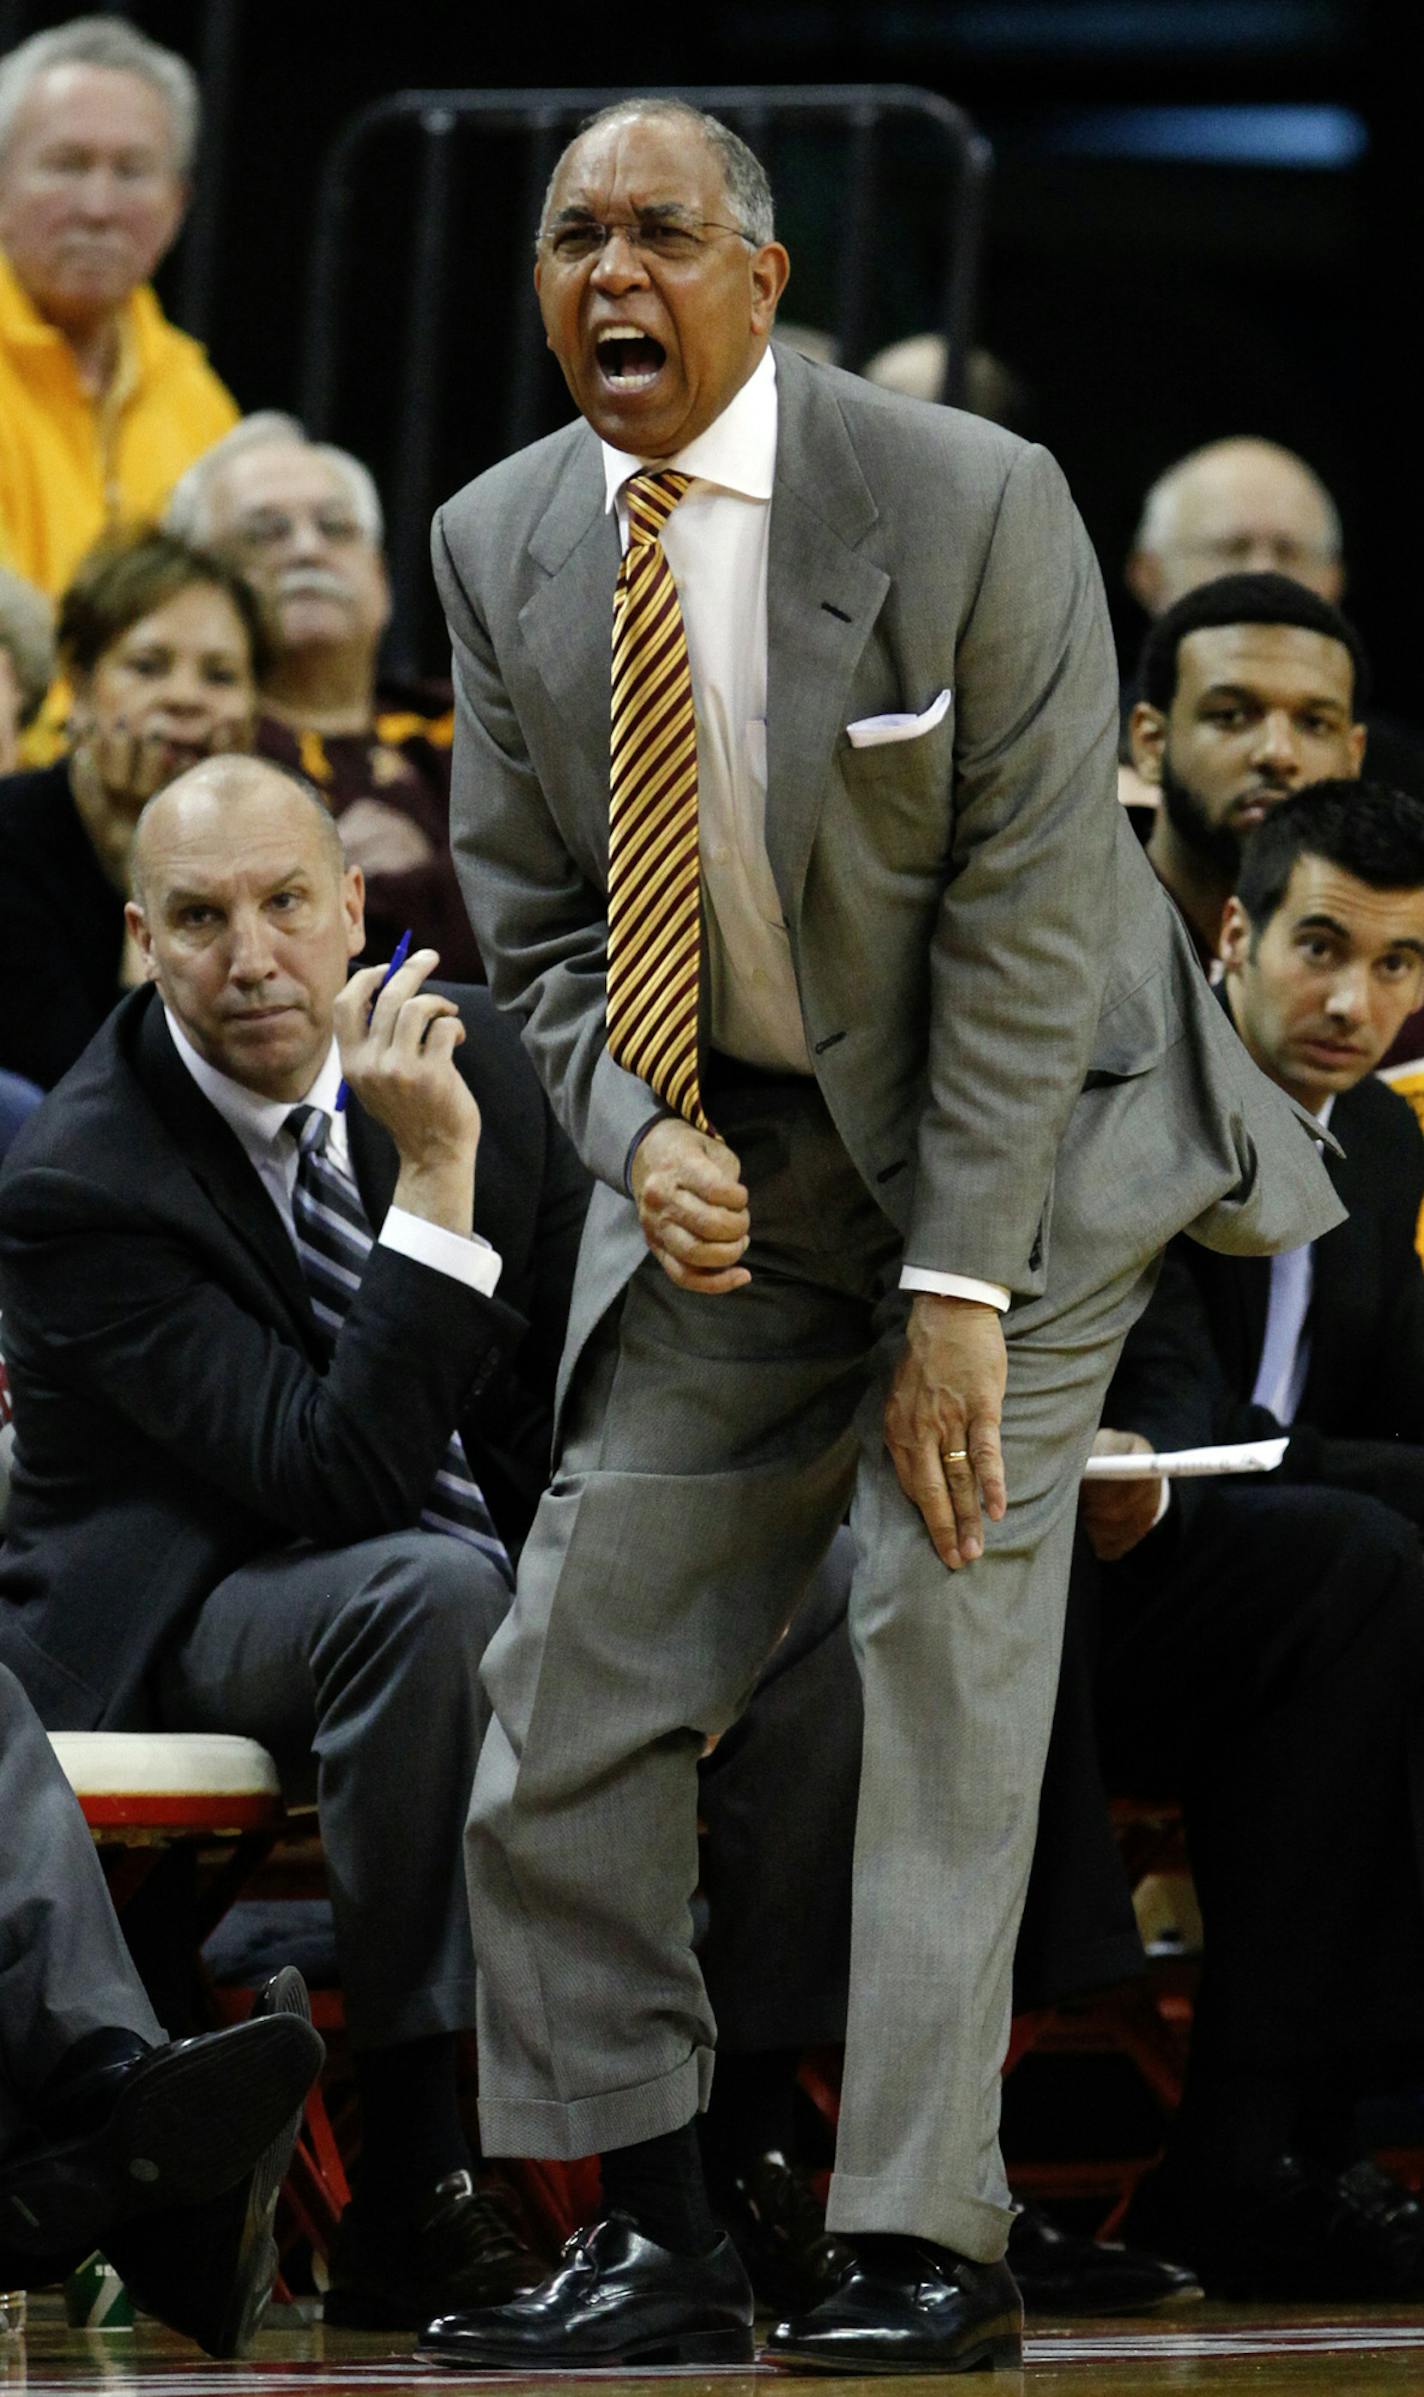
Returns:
(871, 731)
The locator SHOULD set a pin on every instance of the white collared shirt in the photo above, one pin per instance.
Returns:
(261, 1127)
(1285, 1346)
(717, 542)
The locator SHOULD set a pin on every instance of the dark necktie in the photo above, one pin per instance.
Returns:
(654, 868)
(333, 1242)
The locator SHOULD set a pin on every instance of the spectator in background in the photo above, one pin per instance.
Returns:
(102, 402)
(26, 661)
(1235, 507)
(1251, 688)
(302, 521)
(918, 365)
(162, 647)
(1246, 506)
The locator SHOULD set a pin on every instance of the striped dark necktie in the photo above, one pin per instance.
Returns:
(333, 1242)
(654, 866)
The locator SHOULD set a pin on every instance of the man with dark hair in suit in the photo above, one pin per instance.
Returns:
(242, 1322)
(846, 808)
(1263, 1650)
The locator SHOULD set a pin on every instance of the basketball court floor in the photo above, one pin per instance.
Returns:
(1216, 2348)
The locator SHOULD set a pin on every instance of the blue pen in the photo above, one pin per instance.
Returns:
(402, 952)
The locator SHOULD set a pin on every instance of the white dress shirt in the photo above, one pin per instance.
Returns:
(260, 1125)
(1285, 1350)
(716, 542)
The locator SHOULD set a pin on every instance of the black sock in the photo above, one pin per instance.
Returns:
(411, 2132)
(659, 2182)
(896, 2251)
(750, 2114)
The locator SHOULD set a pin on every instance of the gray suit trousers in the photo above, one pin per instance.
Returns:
(711, 1447)
(64, 1968)
(359, 1668)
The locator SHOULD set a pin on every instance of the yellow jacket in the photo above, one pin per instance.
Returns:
(70, 464)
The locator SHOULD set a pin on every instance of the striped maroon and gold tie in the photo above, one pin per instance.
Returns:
(654, 873)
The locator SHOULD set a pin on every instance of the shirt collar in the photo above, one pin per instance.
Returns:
(737, 451)
(256, 1121)
(23, 327)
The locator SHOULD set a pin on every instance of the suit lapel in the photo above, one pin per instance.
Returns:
(219, 1164)
(823, 598)
(568, 621)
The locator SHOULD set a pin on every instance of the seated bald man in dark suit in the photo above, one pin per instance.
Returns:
(236, 1503)
(225, 1491)
(1262, 1652)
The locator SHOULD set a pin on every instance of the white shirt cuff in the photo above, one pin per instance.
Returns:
(954, 1285)
(471, 1261)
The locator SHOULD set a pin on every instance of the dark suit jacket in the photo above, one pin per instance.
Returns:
(1190, 1364)
(61, 927)
(173, 1416)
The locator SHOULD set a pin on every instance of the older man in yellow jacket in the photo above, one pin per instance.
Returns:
(103, 403)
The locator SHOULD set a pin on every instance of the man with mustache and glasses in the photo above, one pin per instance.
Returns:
(102, 402)
(784, 800)
(302, 522)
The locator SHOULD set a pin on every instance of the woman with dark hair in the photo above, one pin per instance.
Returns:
(161, 646)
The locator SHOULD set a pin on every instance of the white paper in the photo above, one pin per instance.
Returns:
(871, 731)
(1187, 1464)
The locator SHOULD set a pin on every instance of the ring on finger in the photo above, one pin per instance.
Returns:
(956, 1456)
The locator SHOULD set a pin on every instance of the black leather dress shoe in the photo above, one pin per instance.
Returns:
(1294, 2230)
(1058, 2272)
(465, 2248)
(616, 2298)
(179, 2125)
(777, 2225)
(207, 2269)
(908, 2306)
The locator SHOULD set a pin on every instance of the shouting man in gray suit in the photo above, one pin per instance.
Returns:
(896, 1072)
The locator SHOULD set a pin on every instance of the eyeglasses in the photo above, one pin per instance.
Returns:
(273, 526)
(672, 240)
(1281, 552)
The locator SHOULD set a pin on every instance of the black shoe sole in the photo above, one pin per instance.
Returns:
(987, 2355)
(182, 2132)
(687, 2347)
(244, 2215)
(284, 1999)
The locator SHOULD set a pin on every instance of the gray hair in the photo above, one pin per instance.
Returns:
(27, 636)
(1157, 527)
(189, 512)
(105, 42)
(745, 176)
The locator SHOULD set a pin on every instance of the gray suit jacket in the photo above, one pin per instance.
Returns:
(974, 931)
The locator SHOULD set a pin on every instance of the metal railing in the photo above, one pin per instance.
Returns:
(885, 185)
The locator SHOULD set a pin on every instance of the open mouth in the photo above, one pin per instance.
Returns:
(629, 360)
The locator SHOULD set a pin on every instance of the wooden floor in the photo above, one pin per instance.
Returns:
(1349, 2352)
